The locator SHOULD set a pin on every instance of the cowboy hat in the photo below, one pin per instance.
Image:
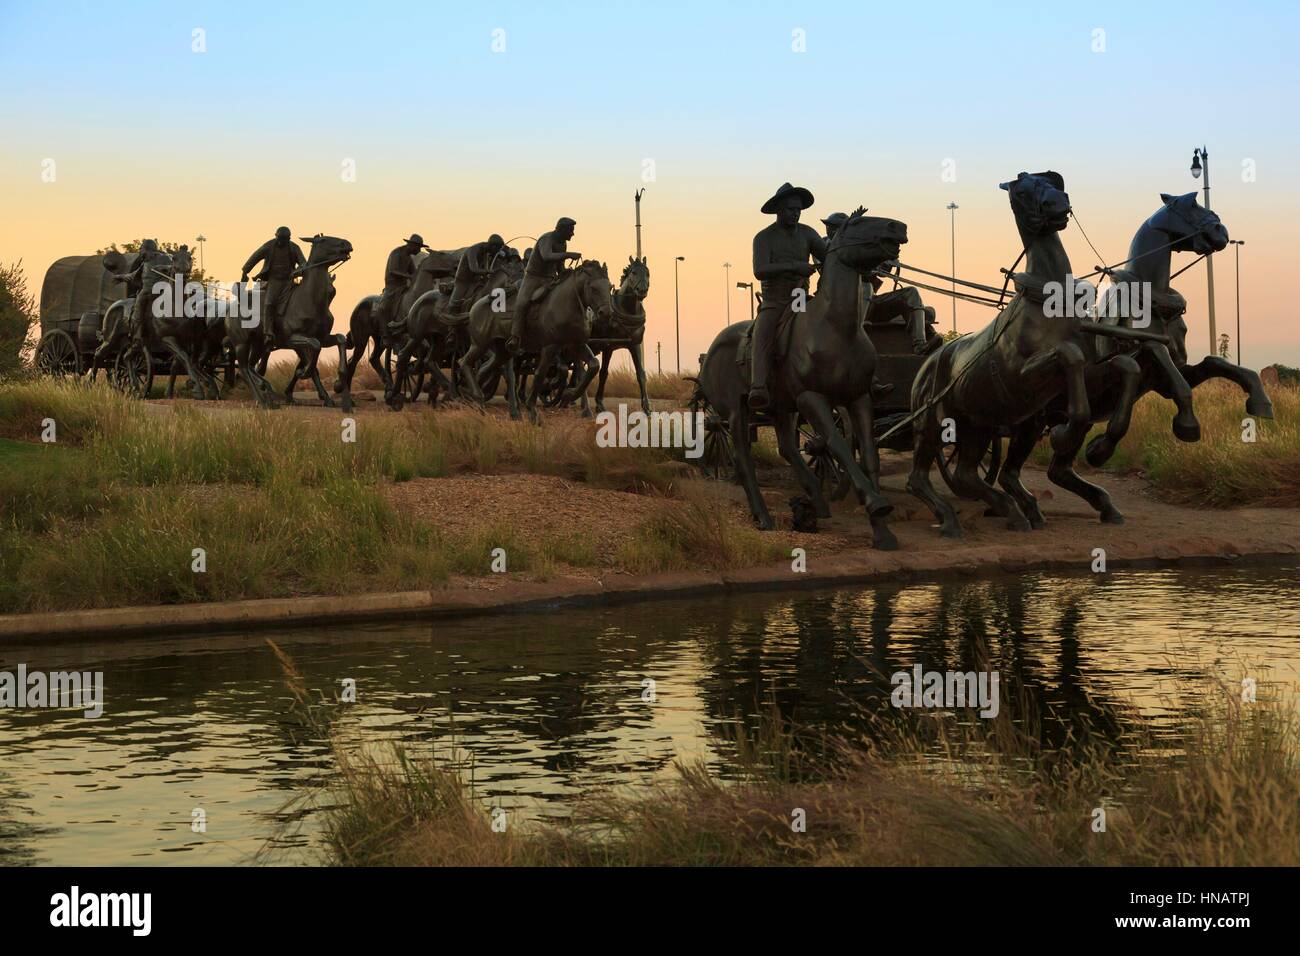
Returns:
(418, 240)
(786, 189)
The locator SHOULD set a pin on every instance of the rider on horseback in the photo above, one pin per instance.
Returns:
(399, 273)
(279, 258)
(475, 265)
(781, 253)
(544, 264)
(135, 279)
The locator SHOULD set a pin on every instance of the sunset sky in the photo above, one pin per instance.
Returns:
(455, 138)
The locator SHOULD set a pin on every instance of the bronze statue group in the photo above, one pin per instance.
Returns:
(809, 360)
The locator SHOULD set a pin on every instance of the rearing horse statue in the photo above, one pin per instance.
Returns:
(830, 361)
(1139, 297)
(1010, 370)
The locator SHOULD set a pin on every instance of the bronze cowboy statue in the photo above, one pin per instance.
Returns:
(472, 270)
(279, 257)
(399, 273)
(781, 254)
(543, 266)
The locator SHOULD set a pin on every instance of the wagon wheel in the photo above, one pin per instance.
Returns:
(989, 467)
(817, 454)
(717, 457)
(57, 355)
(133, 371)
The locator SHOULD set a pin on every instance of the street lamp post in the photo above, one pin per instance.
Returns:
(727, 287)
(952, 222)
(201, 239)
(1238, 243)
(1201, 161)
(677, 308)
(750, 287)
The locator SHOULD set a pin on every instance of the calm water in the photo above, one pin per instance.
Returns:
(549, 707)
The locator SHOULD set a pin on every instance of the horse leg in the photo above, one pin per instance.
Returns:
(818, 411)
(605, 355)
(379, 356)
(925, 452)
(1130, 379)
(1214, 366)
(512, 384)
(470, 373)
(402, 370)
(787, 442)
(1023, 439)
(1174, 386)
(862, 416)
(638, 363)
(179, 354)
(743, 462)
(972, 443)
(324, 396)
(544, 362)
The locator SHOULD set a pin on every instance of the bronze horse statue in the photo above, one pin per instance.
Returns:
(1009, 371)
(365, 331)
(305, 324)
(829, 362)
(624, 329)
(437, 337)
(560, 328)
(1179, 225)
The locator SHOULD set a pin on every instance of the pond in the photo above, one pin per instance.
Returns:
(548, 706)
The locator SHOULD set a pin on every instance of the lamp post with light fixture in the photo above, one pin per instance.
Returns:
(1201, 162)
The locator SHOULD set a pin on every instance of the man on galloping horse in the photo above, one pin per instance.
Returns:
(544, 264)
(135, 280)
(279, 257)
(781, 253)
(399, 273)
(474, 266)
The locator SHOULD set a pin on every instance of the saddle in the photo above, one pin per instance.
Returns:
(780, 342)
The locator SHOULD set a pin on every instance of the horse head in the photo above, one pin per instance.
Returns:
(593, 288)
(1190, 226)
(327, 250)
(864, 242)
(635, 280)
(1039, 201)
(182, 261)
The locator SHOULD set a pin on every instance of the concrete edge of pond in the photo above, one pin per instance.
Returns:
(847, 568)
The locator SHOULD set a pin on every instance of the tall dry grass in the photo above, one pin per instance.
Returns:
(992, 795)
(1221, 470)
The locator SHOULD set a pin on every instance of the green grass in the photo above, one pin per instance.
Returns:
(110, 513)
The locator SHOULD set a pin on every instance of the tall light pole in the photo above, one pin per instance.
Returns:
(952, 223)
(638, 222)
(201, 239)
(750, 287)
(677, 308)
(1201, 160)
(1238, 254)
(727, 288)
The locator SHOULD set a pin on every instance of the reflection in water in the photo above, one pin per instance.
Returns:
(549, 707)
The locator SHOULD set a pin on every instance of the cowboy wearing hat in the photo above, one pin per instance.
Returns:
(544, 264)
(399, 272)
(781, 254)
(474, 265)
(279, 257)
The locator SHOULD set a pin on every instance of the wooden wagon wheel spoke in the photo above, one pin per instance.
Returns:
(57, 355)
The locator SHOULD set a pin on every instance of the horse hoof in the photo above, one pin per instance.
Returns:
(952, 534)
(1099, 451)
(1111, 515)
(765, 523)
(883, 540)
(1037, 521)
(878, 507)
(1260, 409)
(1019, 524)
(329, 402)
(1187, 431)
(823, 509)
